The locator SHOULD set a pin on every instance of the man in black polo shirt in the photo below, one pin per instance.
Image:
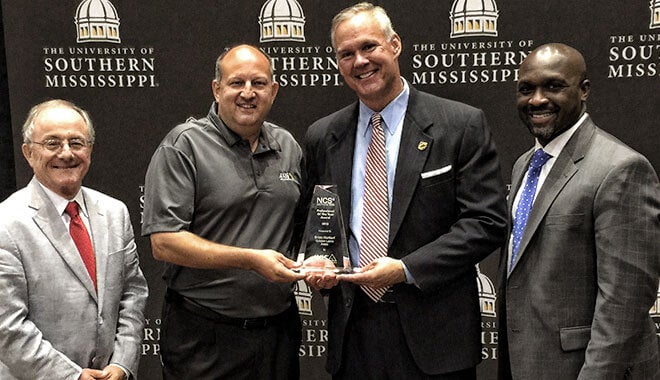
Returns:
(220, 193)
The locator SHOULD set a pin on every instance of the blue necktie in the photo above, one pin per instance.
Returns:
(539, 159)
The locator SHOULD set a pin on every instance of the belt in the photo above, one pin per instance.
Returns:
(193, 307)
(388, 297)
(362, 298)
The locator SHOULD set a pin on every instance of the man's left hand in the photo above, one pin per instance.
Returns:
(380, 273)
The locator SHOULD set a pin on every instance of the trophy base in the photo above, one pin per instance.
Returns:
(321, 264)
(323, 270)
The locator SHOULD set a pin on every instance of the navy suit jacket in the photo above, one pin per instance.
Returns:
(440, 226)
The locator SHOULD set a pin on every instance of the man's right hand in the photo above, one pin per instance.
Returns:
(93, 374)
(273, 265)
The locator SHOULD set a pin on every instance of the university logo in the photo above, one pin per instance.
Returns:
(303, 295)
(471, 18)
(97, 21)
(282, 20)
(655, 14)
(655, 309)
(486, 295)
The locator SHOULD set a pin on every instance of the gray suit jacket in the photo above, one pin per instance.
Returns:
(52, 322)
(576, 304)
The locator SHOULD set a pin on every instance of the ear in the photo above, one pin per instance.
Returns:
(27, 153)
(585, 88)
(395, 42)
(276, 87)
(215, 88)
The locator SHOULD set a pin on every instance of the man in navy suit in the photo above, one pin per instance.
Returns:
(445, 213)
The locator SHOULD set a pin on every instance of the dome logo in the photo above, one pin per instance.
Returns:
(97, 21)
(486, 295)
(655, 14)
(471, 18)
(282, 20)
(303, 295)
(655, 309)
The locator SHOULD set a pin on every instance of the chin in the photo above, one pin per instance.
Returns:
(543, 134)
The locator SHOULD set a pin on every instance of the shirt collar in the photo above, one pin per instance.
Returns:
(555, 146)
(266, 140)
(60, 202)
(392, 114)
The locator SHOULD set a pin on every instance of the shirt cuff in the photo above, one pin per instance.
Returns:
(409, 278)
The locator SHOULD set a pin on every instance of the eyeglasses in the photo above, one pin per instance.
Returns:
(55, 145)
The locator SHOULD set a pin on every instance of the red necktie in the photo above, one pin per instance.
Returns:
(375, 221)
(81, 238)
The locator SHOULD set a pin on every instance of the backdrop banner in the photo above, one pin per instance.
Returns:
(142, 67)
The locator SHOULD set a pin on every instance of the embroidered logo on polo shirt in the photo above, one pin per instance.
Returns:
(287, 176)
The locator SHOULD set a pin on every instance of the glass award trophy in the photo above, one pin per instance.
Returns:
(324, 247)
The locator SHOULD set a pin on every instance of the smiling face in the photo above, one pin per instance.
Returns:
(245, 91)
(368, 60)
(61, 170)
(552, 89)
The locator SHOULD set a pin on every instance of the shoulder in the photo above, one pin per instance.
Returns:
(182, 133)
(612, 152)
(15, 206)
(279, 133)
(283, 137)
(335, 123)
(104, 201)
(438, 107)
(19, 197)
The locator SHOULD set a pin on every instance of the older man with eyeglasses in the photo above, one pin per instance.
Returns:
(73, 292)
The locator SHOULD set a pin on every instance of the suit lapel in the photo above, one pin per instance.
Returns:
(410, 163)
(99, 235)
(49, 222)
(341, 148)
(517, 176)
(562, 171)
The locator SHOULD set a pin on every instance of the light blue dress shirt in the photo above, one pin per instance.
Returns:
(393, 115)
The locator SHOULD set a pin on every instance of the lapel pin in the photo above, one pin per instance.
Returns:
(422, 145)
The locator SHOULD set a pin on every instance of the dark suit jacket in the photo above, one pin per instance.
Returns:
(441, 226)
(576, 304)
(52, 321)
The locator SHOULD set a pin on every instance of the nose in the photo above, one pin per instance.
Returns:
(538, 98)
(360, 59)
(65, 150)
(247, 91)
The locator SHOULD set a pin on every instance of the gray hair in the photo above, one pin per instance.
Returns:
(28, 126)
(375, 11)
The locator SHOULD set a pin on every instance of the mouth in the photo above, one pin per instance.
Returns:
(65, 166)
(247, 106)
(366, 75)
(540, 116)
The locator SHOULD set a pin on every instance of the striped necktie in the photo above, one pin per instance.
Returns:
(375, 219)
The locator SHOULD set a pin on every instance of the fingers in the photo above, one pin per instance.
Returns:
(380, 273)
(92, 374)
(321, 280)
